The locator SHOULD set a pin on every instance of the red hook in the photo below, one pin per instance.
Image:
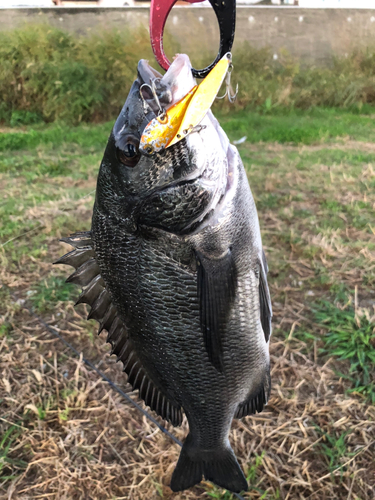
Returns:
(226, 15)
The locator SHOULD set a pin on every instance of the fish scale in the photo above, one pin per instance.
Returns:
(173, 269)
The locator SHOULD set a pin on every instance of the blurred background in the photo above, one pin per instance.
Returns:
(367, 4)
(304, 126)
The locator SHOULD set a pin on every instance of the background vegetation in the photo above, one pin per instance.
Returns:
(47, 74)
(310, 160)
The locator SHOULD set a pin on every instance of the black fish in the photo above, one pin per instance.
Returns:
(173, 269)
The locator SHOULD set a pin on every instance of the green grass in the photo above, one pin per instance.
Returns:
(333, 448)
(7, 463)
(350, 337)
(45, 295)
(318, 125)
(314, 126)
(54, 136)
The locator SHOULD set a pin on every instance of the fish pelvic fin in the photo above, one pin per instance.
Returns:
(219, 466)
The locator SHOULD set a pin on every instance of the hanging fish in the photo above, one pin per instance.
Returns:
(173, 269)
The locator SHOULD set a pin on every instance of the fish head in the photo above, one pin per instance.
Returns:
(130, 176)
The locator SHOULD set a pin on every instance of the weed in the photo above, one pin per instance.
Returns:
(218, 494)
(48, 292)
(253, 470)
(7, 463)
(20, 117)
(350, 338)
(64, 414)
(334, 448)
(5, 329)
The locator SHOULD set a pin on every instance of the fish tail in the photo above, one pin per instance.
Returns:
(219, 466)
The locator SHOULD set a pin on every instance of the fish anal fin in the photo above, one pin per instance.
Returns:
(216, 284)
(95, 294)
(256, 401)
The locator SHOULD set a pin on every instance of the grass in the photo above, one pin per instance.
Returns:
(333, 449)
(298, 127)
(350, 336)
(7, 464)
(50, 292)
(312, 173)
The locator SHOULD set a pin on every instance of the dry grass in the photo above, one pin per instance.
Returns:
(64, 434)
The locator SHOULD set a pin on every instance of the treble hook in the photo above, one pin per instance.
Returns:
(225, 11)
(232, 96)
(161, 112)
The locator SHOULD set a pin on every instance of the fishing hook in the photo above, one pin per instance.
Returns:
(232, 96)
(162, 114)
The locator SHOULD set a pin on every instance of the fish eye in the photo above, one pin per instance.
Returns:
(128, 154)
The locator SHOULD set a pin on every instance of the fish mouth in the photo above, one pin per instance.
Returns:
(165, 89)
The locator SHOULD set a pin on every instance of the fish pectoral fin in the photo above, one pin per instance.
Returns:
(256, 401)
(216, 283)
(264, 298)
(95, 294)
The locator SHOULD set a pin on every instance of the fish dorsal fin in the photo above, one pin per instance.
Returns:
(96, 295)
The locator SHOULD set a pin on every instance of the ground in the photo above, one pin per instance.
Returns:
(65, 434)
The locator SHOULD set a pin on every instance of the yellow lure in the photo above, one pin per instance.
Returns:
(184, 116)
(161, 130)
(203, 99)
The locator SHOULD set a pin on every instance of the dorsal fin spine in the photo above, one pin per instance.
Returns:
(125, 351)
(106, 322)
(87, 274)
(91, 292)
(142, 387)
(132, 371)
(100, 305)
(138, 378)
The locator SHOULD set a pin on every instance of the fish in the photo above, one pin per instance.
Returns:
(174, 270)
